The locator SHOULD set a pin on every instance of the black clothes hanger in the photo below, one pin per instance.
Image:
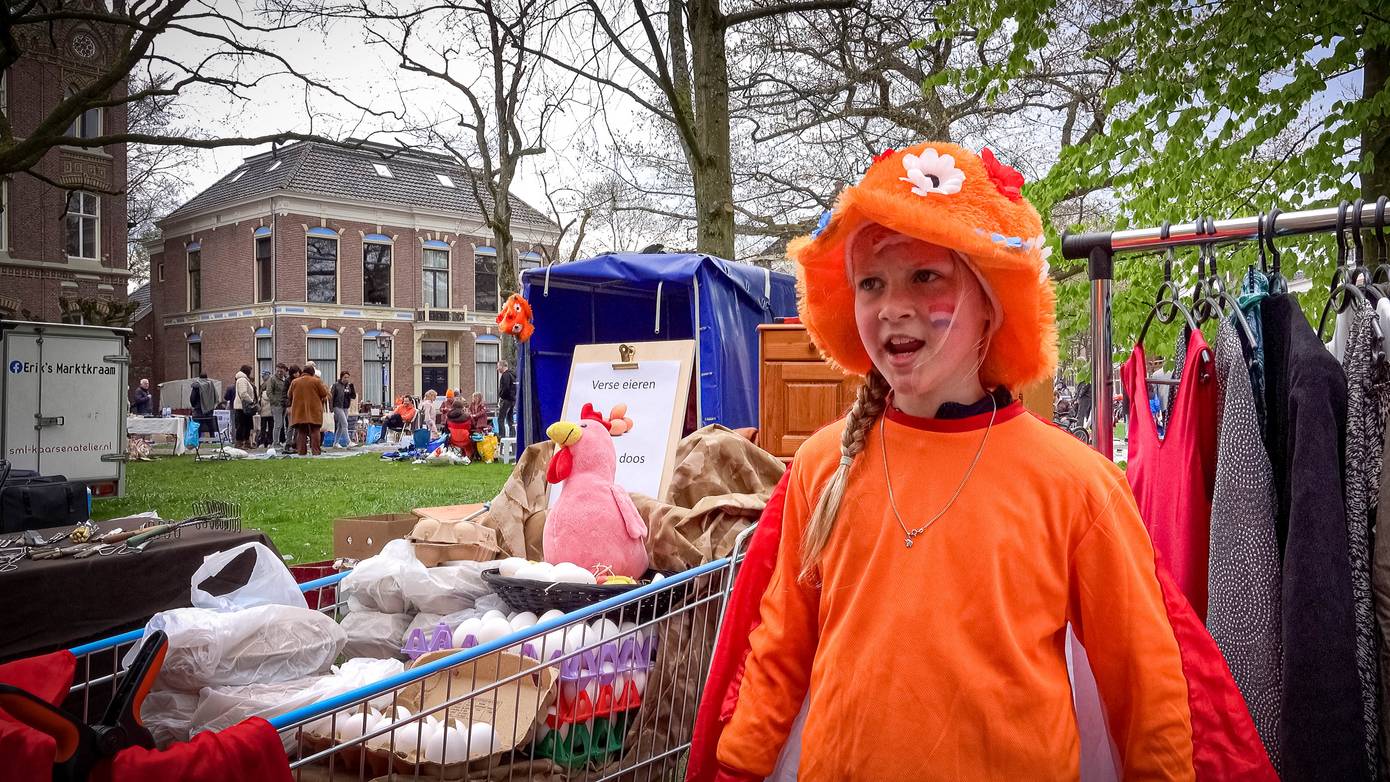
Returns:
(1277, 283)
(1343, 288)
(1360, 274)
(1168, 295)
(1382, 270)
(1218, 301)
(1202, 307)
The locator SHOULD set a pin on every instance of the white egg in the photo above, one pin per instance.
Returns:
(552, 644)
(575, 637)
(350, 726)
(569, 573)
(408, 737)
(466, 628)
(492, 629)
(481, 740)
(604, 629)
(510, 565)
(494, 613)
(639, 678)
(551, 614)
(657, 578)
(537, 571)
(523, 620)
(449, 745)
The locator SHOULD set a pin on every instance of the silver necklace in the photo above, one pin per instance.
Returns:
(911, 534)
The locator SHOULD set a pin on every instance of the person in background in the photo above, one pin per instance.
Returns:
(143, 403)
(229, 397)
(294, 375)
(203, 399)
(343, 394)
(446, 405)
(307, 395)
(1083, 403)
(266, 437)
(400, 420)
(429, 412)
(460, 431)
(275, 387)
(477, 413)
(506, 400)
(245, 403)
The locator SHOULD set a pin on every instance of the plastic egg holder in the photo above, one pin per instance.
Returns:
(614, 697)
(631, 653)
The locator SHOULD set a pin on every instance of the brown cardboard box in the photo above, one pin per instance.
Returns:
(365, 536)
(449, 512)
(446, 541)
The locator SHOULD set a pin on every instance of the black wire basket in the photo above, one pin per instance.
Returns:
(525, 594)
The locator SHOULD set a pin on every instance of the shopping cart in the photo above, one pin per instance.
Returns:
(624, 704)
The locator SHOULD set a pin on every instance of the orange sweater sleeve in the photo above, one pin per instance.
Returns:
(1118, 613)
(777, 671)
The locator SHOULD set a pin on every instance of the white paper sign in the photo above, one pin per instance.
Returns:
(649, 391)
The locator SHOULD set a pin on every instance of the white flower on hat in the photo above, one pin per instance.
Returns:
(932, 173)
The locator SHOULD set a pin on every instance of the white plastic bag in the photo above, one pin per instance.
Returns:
(270, 643)
(377, 583)
(445, 589)
(270, 583)
(168, 714)
(220, 708)
(374, 634)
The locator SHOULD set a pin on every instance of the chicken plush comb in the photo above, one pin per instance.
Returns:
(617, 421)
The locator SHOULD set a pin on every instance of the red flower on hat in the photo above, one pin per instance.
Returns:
(1006, 179)
(884, 155)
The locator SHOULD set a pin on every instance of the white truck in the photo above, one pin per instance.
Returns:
(63, 401)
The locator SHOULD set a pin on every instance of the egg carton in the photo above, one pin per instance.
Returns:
(624, 654)
(582, 745)
(613, 698)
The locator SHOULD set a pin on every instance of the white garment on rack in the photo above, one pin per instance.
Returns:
(1338, 345)
(1383, 312)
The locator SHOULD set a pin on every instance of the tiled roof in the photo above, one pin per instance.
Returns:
(337, 172)
(141, 295)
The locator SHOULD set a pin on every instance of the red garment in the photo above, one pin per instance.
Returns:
(731, 649)
(27, 753)
(1173, 477)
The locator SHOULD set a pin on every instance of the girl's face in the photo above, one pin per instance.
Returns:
(922, 317)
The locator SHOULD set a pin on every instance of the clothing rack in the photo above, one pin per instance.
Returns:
(1099, 249)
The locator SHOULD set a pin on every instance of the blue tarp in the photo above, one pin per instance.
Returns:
(629, 297)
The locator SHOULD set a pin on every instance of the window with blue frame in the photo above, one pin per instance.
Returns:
(376, 270)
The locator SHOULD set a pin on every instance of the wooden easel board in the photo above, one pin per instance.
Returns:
(653, 380)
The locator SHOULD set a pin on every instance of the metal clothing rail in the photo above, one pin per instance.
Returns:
(1099, 250)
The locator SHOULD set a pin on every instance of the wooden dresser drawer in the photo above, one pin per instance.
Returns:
(792, 344)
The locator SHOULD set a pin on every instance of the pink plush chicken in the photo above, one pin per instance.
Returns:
(594, 523)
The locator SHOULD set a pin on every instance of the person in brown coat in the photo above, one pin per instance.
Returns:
(307, 394)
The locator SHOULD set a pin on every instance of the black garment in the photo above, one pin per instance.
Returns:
(999, 399)
(343, 394)
(505, 427)
(506, 386)
(267, 434)
(394, 422)
(1306, 404)
(230, 396)
(144, 402)
(242, 421)
(203, 397)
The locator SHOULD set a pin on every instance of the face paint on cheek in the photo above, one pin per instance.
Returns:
(941, 315)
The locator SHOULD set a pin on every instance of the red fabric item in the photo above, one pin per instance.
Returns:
(245, 751)
(460, 435)
(731, 649)
(1173, 477)
(27, 753)
(1225, 744)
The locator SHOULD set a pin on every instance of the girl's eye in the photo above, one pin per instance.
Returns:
(926, 275)
(870, 284)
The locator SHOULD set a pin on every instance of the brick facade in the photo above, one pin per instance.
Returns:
(34, 266)
(227, 323)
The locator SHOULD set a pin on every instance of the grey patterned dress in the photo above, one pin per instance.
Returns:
(1244, 573)
(1366, 407)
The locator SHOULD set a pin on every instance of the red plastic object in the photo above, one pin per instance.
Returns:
(319, 598)
(582, 709)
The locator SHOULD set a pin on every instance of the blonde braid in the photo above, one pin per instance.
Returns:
(868, 406)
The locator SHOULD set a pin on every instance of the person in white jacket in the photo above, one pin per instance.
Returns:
(244, 407)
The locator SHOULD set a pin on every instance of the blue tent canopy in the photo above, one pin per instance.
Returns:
(630, 297)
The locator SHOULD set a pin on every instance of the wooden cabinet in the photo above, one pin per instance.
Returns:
(798, 392)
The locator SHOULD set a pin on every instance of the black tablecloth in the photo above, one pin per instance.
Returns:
(58, 603)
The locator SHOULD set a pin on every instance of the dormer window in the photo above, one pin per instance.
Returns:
(382, 170)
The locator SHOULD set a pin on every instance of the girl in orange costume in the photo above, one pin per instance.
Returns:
(937, 544)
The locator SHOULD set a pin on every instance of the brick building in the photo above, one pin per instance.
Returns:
(68, 241)
(314, 251)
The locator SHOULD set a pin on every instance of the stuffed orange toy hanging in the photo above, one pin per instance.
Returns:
(946, 195)
(515, 318)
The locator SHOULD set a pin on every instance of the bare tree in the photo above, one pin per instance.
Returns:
(228, 56)
(156, 174)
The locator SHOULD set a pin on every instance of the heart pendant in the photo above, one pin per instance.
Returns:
(907, 542)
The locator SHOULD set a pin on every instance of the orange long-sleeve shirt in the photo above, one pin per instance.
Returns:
(946, 660)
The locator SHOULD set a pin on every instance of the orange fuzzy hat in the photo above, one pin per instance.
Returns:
(946, 195)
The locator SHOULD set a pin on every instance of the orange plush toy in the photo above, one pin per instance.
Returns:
(515, 318)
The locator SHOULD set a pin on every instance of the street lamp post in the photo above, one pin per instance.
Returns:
(383, 352)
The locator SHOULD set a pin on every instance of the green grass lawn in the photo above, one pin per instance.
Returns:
(296, 500)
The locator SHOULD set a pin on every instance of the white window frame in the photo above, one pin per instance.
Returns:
(374, 374)
(318, 367)
(77, 197)
(391, 283)
(337, 268)
(256, 266)
(76, 130)
(188, 277)
(448, 275)
(383, 171)
(445, 180)
(160, 270)
(497, 346)
(270, 365)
